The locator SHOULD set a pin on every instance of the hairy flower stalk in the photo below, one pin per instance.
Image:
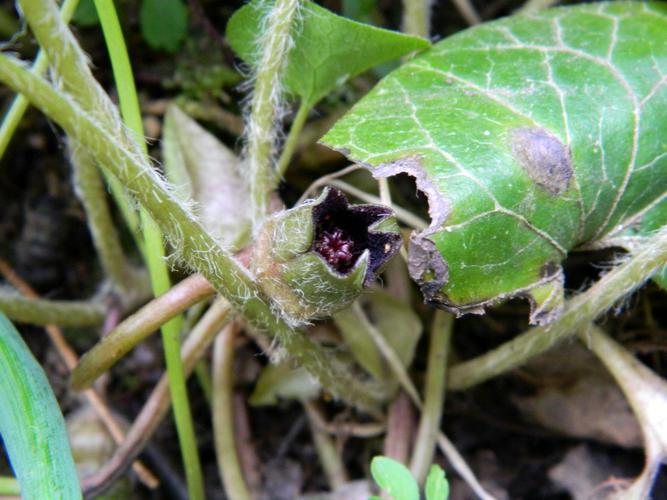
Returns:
(273, 44)
(315, 259)
(195, 247)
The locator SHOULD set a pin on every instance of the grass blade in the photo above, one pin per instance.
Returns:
(31, 424)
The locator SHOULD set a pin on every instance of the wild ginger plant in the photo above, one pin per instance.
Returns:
(531, 137)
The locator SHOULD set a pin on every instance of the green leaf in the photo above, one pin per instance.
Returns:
(86, 14)
(394, 478)
(204, 169)
(531, 136)
(31, 425)
(437, 486)
(282, 381)
(328, 49)
(164, 23)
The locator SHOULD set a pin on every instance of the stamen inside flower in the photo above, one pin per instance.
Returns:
(343, 234)
(336, 247)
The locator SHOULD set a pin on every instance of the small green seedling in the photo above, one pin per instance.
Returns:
(396, 479)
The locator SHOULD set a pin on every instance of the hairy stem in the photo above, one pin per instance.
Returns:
(196, 248)
(43, 312)
(273, 46)
(70, 65)
(434, 395)
(223, 418)
(20, 103)
(583, 309)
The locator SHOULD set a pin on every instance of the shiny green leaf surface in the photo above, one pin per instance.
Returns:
(531, 136)
(328, 49)
(31, 424)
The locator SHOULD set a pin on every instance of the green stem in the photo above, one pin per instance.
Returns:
(223, 415)
(417, 17)
(292, 140)
(273, 45)
(9, 486)
(92, 193)
(434, 395)
(44, 312)
(20, 103)
(70, 65)
(195, 247)
(137, 327)
(155, 253)
(578, 312)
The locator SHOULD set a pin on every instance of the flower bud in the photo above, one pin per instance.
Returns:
(315, 259)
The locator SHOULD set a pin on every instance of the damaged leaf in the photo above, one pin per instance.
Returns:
(530, 136)
(204, 169)
(327, 49)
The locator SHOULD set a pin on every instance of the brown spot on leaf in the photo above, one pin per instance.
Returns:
(546, 160)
